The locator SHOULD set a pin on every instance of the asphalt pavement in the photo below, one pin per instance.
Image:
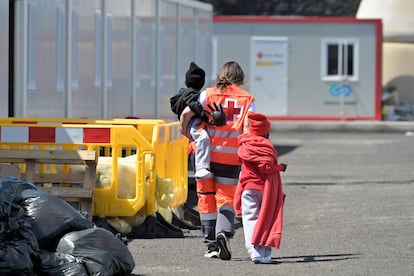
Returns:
(349, 208)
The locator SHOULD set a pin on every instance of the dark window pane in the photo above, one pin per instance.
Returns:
(332, 60)
(350, 60)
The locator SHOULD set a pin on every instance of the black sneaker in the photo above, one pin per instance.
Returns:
(212, 253)
(224, 246)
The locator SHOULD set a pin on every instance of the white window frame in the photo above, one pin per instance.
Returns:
(342, 55)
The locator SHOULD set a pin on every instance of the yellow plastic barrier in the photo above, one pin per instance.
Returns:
(171, 159)
(107, 200)
(144, 126)
(168, 145)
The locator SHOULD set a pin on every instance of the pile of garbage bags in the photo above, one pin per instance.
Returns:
(41, 234)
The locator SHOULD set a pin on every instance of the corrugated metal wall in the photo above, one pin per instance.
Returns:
(106, 58)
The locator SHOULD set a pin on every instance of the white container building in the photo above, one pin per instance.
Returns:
(306, 68)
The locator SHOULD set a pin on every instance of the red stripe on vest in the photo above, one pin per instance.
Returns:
(42, 134)
(97, 135)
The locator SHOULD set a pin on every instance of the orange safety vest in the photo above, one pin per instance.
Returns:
(223, 140)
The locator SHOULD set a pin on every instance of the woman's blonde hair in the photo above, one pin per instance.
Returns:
(230, 73)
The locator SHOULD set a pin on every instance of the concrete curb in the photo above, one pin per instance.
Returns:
(344, 126)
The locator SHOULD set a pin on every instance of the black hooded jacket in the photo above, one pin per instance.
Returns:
(187, 97)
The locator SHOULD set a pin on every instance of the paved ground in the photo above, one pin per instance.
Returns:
(349, 211)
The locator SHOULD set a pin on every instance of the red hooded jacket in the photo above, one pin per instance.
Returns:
(261, 171)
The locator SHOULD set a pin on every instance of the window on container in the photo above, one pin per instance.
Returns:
(333, 60)
(339, 60)
(350, 59)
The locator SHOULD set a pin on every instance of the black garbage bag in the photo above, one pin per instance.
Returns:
(58, 264)
(17, 258)
(18, 244)
(51, 217)
(101, 251)
(14, 187)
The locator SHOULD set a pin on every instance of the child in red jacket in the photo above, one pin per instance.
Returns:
(259, 197)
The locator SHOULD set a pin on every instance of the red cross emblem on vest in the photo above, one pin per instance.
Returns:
(232, 110)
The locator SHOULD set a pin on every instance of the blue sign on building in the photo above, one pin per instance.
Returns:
(340, 90)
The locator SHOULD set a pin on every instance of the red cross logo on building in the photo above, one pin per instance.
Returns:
(232, 110)
(260, 55)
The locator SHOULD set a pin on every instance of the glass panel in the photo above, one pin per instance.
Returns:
(350, 63)
(333, 53)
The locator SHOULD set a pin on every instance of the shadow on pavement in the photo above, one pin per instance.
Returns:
(316, 258)
(284, 149)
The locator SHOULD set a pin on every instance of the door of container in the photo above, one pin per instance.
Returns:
(269, 74)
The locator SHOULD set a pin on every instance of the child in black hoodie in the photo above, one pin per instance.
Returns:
(194, 80)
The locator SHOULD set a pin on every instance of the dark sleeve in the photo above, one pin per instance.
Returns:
(187, 97)
(197, 108)
(179, 101)
(174, 102)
